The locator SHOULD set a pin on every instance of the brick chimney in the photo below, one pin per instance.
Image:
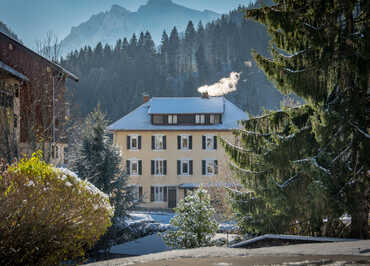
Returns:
(146, 98)
(205, 95)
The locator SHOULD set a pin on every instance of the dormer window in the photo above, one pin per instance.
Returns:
(200, 119)
(172, 119)
(158, 119)
(214, 119)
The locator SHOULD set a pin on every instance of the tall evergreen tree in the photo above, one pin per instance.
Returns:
(98, 161)
(173, 51)
(308, 163)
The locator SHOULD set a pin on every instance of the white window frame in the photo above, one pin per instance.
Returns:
(172, 119)
(156, 145)
(132, 161)
(159, 193)
(200, 119)
(210, 163)
(132, 137)
(182, 162)
(212, 148)
(187, 137)
(136, 192)
(158, 166)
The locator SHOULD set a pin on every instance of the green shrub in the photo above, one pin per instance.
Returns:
(48, 215)
(194, 220)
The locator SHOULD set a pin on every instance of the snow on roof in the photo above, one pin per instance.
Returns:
(12, 71)
(187, 105)
(139, 119)
(290, 237)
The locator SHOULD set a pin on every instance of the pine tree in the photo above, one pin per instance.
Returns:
(308, 163)
(173, 52)
(194, 221)
(98, 161)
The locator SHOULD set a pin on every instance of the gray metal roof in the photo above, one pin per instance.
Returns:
(139, 119)
(187, 105)
(12, 71)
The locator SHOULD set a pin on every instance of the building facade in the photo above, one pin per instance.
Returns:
(40, 98)
(171, 145)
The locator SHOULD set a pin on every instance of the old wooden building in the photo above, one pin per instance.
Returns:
(37, 97)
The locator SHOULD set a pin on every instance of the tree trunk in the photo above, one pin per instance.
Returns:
(360, 212)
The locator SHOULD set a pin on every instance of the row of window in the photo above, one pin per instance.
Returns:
(184, 142)
(159, 167)
(186, 119)
(157, 193)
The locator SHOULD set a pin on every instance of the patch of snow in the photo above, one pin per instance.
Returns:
(145, 245)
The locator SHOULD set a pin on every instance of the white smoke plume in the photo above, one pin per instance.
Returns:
(223, 87)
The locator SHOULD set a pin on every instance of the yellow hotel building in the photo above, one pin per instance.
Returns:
(171, 145)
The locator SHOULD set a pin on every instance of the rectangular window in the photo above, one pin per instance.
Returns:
(159, 167)
(158, 193)
(210, 167)
(158, 119)
(184, 142)
(137, 192)
(200, 119)
(214, 119)
(134, 168)
(172, 119)
(185, 167)
(209, 142)
(133, 142)
(159, 142)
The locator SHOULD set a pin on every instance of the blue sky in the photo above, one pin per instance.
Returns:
(32, 19)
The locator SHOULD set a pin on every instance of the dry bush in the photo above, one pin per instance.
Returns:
(47, 216)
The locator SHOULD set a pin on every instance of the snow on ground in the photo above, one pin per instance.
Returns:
(142, 246)
(152, 222)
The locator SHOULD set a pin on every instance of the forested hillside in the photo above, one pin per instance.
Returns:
(116, 77)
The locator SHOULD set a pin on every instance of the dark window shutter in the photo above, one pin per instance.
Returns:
(190, 142)
(151, 193)
(153, 142)
(215, 142)
(165, 167)
(203, 142)
(179, 142)
(152, 167)
(178, 167)
(191, 167)
(164, 142)
(165, 193)
(140, 193)
(140, 167)
(208, 120)
(139, 144)
(128, 167)
(128, 142)
(203, 167)
(216, 167)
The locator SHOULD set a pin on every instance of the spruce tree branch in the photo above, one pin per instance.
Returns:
(359, 130)
(286, 183)
(341, 153)
(246, 170)
(235, 146)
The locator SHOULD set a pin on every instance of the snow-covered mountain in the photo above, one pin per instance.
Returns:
(118, 22)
